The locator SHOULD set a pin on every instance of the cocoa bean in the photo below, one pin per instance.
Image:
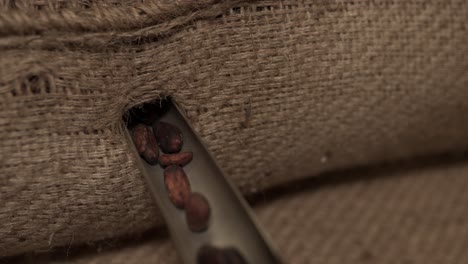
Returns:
(177, 185)
(213, 255)
(146, 113)
(145, 143)
(181, 159)
(197, 212)
(168, 136)
(210, 255)
(233, 256)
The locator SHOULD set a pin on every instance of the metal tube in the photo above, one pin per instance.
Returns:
(231, 222)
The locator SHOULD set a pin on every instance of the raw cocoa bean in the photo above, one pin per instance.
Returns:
(177, 185)
(146, 113)
(181, 159)
(233, 256)
(212, 255)
(197, 212)
(168, 136)
(145, 143)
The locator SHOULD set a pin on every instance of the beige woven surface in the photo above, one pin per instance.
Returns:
(279, 90)
(415, 215)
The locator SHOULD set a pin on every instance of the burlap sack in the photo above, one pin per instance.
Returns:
(279, 90)
(394, 214)
(403, 213)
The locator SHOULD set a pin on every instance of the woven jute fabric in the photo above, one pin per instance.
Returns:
(278, 90)
(414, 215)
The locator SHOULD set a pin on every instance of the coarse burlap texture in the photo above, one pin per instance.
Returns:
(279, 90)
(386, 215)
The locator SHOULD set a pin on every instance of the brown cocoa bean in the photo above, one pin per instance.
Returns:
(210, 255)
(197, 212)
(168, 136)
(181, 159)
(233, 256)
(177, 185)
(147, 113)
(213, 255)
(145, 143)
